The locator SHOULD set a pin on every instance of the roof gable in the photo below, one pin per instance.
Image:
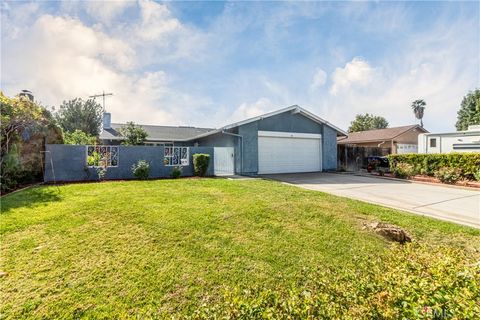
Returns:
(294, 109)
(166, 133)
(379, 134)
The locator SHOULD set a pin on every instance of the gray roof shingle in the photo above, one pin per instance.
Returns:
(156, 133)
(377, 135)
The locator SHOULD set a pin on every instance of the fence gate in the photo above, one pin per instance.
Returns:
(223, 161)
(354, 158)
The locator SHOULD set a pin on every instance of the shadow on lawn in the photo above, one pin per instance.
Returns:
(29, 198)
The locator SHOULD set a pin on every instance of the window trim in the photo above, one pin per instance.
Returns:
(109, 147)
(434, 144)
(182, 163)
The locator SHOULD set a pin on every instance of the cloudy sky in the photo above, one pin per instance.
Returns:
(211, 63)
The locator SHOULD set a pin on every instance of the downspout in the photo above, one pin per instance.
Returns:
(241, 147)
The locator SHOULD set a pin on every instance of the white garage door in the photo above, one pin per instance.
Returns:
(288, 152)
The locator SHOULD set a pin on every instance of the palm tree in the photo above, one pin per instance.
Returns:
(418, 107)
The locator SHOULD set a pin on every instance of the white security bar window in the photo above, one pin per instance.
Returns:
(176, 156)
(102, 156)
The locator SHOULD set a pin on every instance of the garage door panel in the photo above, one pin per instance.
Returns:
(288, 154)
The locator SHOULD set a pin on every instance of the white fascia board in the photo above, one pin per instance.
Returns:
(454, 134)
(280, 134)
(294, 108)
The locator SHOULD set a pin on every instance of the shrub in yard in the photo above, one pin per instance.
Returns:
(200, 163)
(448, 175)
(410, 281)
(468, 162)
(176, 172)
(403, 170)
(141, 170)
(101, 172)
(476, 175)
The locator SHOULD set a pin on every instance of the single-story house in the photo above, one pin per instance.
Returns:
(459, 141)
(398, 139)
(288, 140)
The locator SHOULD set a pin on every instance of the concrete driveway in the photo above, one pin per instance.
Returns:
(446, 203)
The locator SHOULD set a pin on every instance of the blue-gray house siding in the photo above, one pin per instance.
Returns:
(69, 162)
(246, 161)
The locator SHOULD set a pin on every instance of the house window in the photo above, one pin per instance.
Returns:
(176, 156)
(433, 142)
(102, 156)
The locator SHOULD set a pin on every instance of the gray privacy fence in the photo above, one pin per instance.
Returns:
(69, 162)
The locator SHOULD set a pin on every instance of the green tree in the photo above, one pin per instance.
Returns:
(367, 121)
(418, 107)
(24, 126)
(469, 112)
(78, 114)
(78, 137)
(133, 134)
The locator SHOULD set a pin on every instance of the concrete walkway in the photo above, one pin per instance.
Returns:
(452, 204)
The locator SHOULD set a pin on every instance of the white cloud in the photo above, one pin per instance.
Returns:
(60, 58)
(355, 73)
(437, 66)
(156, 21)
(250, 110)
(319, 79)
(105, 11)
(166, 72)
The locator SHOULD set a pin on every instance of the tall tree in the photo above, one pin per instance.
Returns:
(24, 127)
(133, 134)
(78, 114)
(469, 112)
(78, 137)
(418, 107)
(367, 121)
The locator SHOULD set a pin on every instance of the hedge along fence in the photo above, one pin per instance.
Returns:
(468, 163)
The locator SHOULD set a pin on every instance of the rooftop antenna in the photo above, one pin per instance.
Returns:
(103, 95)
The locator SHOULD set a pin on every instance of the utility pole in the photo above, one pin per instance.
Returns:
(103, 95)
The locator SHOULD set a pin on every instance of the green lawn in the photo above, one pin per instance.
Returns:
(217, 247)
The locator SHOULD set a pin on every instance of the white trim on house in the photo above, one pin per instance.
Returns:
(281, 134)
(295, 109)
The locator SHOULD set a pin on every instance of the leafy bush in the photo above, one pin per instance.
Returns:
(94, 159)
(101, 172)
(476, 175)
(141, 170)
(200, 163)
(412, 281)
(448, 175)
(10, 170)
(78, 137)
(25, 127)
(133, 134)
(403, 170)
(468, 162)
(176, 172)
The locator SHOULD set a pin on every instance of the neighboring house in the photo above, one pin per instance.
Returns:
(284, 141)
(156, 135)
(459, 141)
(398, 139)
